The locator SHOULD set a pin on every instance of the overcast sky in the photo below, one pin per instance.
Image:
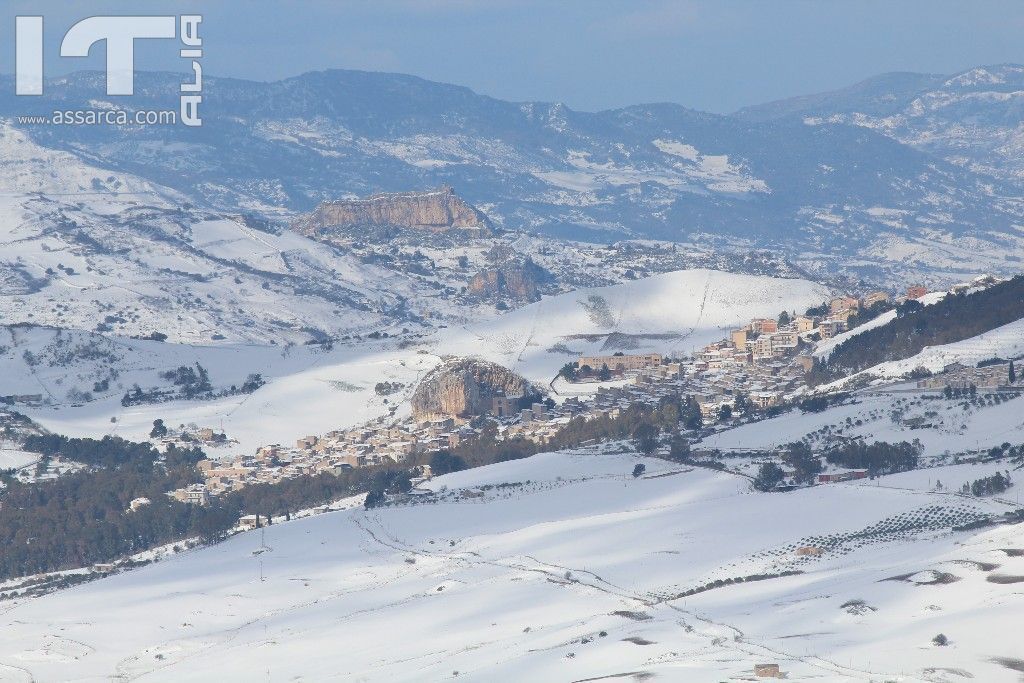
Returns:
(716, 55)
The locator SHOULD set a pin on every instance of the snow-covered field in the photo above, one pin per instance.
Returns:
(308, 391)
(884, 416)
(573, 570)
(13, 458)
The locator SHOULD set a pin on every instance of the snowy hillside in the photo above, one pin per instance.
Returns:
(314, 390)
(307, 391)
(560, 567)
(1003, 342)
(888, 414)
(92, 249)
(672, 313)
(971, 118)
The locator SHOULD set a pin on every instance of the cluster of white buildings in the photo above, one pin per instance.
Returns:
(762, 361)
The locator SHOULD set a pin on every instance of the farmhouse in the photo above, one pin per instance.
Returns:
(767, 671)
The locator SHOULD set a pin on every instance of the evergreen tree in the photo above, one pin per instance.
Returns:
(768, 475)
(159, 429)
(1013, 374)
(569, 372)
(679, 448)
(645, 436)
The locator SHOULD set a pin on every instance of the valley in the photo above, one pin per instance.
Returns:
(490, 390)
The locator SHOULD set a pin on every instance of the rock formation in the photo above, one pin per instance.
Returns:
(435, 211)
(509, 275)
(465, 387)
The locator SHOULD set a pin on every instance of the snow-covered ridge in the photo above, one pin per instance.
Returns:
(657, 171)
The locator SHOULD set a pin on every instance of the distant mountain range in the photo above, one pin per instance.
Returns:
(904, 170)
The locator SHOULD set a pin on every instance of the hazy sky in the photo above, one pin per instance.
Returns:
(716, 55)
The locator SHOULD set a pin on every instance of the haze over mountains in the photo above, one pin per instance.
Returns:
(899, 167)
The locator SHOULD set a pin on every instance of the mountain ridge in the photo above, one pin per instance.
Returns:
(847, 191)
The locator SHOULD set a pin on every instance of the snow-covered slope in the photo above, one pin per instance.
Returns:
(824, 349)
(669, 313)
(956, 427)
(314, 390)
(574, 570)
(1003, 342)
(971, 118)
(308, 390)
(87, 248)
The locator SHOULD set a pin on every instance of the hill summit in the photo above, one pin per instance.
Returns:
(434, 210)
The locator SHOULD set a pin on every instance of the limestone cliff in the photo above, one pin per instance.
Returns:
(465, 387)
(519, 280)
(509, 274)
(436, 211)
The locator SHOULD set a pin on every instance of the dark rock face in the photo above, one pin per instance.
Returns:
(509, 276)
(434, 211)
(517, 280)
(465, 387)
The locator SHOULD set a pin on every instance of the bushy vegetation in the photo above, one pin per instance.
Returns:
(82, 518)
(818, 404)
(805, 464)
(990, 486)
(768, 476)
(384, 482)
(189, 383)
(110, 451)
(443, 462)
(879, 457)
(192, 381)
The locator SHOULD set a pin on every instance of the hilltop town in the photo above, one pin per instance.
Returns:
(751, 372)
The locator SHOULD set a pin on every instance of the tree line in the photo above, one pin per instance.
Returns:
(956, 317)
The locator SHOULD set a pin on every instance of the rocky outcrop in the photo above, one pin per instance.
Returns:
(510, 275)
(513, 281)
(436, 211)
(465, 387)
